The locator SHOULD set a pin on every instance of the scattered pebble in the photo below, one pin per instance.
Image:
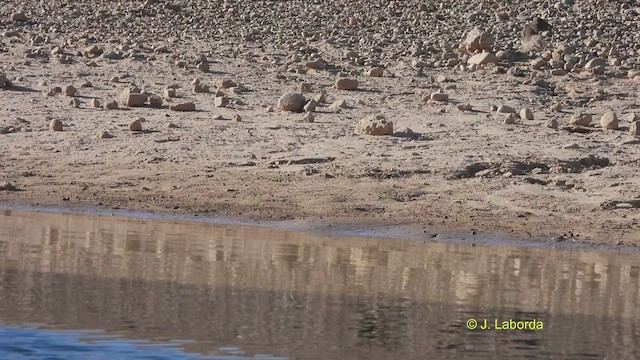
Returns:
(482, 59)
(110, 105)
(439, 97)
(580, 119)
(308, 117)
(169, 92)
(509, 119)
(104, 134)
(374, 125)
(225, 83)
(339, 104)
(376, 72)
(94, 103)
(69, 90)
(133, 99)
(632, 117)
(552, 124)
(7, 186)
(136, 125)
(186, 106)
(504, 109)
(74, 103)
(464, 107)
(155, 101)
(609, 120)
(221, 101)
(292, 102)
(634, 128)
(55, 125)
(311, 106)
(347, 84)
(526, 114)
(305, 87)
(237, 118)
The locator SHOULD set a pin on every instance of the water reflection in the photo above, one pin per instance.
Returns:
(306, 296)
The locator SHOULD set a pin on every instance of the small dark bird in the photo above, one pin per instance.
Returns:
(531, 37)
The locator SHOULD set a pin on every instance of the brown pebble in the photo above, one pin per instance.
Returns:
(55, 125)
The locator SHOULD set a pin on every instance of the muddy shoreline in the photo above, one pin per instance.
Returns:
(484, 139)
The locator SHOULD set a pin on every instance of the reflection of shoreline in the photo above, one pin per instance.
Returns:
(264, 259)
(268, 291)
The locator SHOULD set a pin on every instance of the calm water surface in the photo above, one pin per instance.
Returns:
(96, 287)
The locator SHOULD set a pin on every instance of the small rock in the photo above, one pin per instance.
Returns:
(155, 101)
(55, 125)
(111, 55)
(558, 72)
(374, 125)
(308, 117)
(199, 88)
(376, 72)
(482, 59)
(187, 106)
(609, 120)
(114, 79)
(320, 98)
(221, 101)
(464, 107)
(526, 114)
(504, 109)
(595, 63)
(476, 40)
(305, 87)
(203, 66)
(634, 128)
(94, 103)
(292, 102)
(110, 105)
(74, 103)
(136, 125)
(7, 186)
(318, 64)
(571, 146)
(439, 97)
(509, 119)
(311, 106)
(406, 133)
(69, 90)
(225, 83)
(347, 84)
(632, 117)
(169, 93)
(580, 119)
(19, 17)
(632, 74)
(339, 104)
(86, 84)
(237, 118)
(552, 124)
(92, 51)
(106, 135)
(133, 99)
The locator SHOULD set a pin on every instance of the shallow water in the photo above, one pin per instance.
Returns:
(79, 286)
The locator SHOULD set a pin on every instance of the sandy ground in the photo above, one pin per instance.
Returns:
(463, 171)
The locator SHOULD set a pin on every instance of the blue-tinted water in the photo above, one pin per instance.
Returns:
(33, 343)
